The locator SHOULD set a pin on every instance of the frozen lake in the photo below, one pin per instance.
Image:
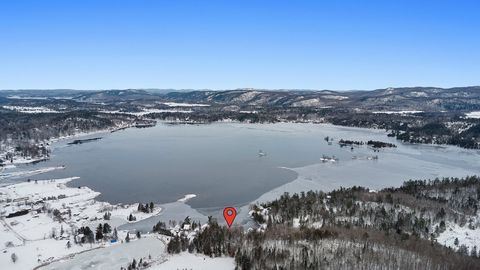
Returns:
(220, 162)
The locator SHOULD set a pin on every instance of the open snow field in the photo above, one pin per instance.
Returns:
(195, 262)
(115, 256)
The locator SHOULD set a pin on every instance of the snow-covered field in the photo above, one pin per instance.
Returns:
(398, 112)
(24, 109)
(147, 111)
(148, 248)
(38, 237)
(473, 114)
(40, 241)
(175, 104)
(196, 262)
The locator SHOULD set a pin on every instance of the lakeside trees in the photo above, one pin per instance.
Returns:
(26, 135)
(147, 208)
(395, 228)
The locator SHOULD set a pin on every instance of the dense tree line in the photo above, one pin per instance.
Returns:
(429, 128)
(418, 208)
(27, 135)
(40, 127)
(395, 228)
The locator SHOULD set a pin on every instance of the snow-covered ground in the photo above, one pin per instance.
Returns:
(473, 114)
(17, 159)
(31, 238)
(24, 109)
(176, 211)
(36, 237)
(27, 173)
(36, 98)
(195, 262)
(175, 104)
(398, 112)
(336, 97)
(12, 157)
(149, 248)
(466, 236)
(147, 111)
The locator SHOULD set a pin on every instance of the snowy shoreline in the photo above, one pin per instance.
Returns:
(42, 235)
(18, 160)
(39, 238)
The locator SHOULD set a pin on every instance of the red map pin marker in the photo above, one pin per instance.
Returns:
(229, 213)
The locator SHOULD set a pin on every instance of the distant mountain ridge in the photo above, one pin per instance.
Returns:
(418, 98)
(405, 98)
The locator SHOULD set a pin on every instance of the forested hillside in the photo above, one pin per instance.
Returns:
(354, 228)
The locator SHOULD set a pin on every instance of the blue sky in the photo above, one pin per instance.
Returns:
(336, 45)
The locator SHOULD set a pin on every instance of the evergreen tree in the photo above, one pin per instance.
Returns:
(115, 234)
(106, 228)
(99, 232)
(88, 234)
(151, 207)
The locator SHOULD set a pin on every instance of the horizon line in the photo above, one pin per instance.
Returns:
(232, 89)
